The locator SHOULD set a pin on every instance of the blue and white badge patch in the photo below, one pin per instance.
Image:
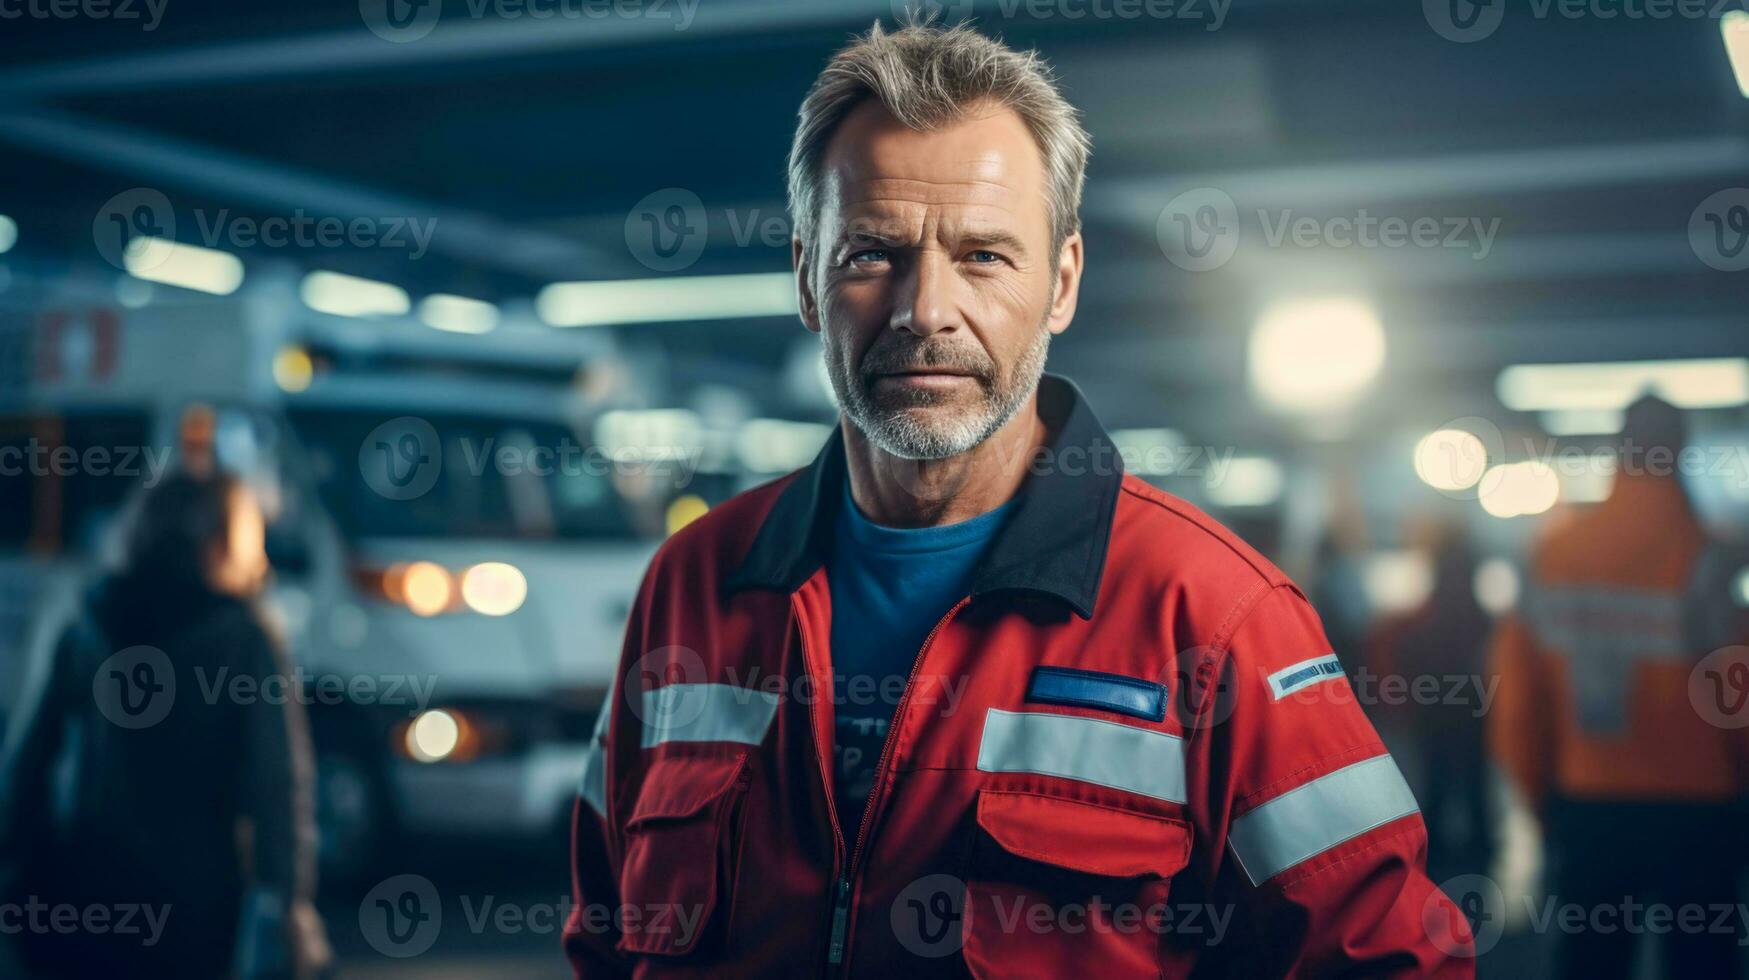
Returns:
(1304, 674)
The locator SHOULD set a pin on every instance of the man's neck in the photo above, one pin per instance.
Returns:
(898, 492)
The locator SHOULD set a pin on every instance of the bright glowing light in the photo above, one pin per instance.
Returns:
(1451, 459)
(343, 295)
(205, 270)
(1520, 489)
(1497, 586)
(1397, 581)
(426, 588)
(1584, 422)
(685, 509)
(458, 314)
(8, 234)
(589, 304)
(1718, 382)
(1735, 26)
(494, 588)
(779, 445)
(1246, 481)
(1741, 589)
(433, 736)
(1314, 355)
(293, 369)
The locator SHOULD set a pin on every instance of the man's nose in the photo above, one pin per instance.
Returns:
(926, 302)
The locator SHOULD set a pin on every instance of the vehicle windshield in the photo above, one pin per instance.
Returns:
(498, 478)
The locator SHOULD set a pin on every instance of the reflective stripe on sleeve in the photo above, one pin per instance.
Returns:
(1091, 750)
(593, 786)
(706, 713)
(1308, 820)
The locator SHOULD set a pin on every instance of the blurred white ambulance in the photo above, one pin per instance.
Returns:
(455, 554)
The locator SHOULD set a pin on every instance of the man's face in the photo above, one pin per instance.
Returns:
(932, 277)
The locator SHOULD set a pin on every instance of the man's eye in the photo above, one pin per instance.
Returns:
(983, 256)
(868, 255)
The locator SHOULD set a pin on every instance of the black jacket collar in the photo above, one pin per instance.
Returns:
(1055, 543)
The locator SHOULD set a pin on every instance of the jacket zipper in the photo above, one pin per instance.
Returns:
(835, 950)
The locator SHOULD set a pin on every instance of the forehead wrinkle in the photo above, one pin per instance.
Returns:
(921, 190)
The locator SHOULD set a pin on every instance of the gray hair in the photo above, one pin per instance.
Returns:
(928, 76)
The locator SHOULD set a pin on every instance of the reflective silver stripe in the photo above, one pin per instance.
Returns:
(1608, 625)
(593, 786)
(1605, 634)
(706, 713)
(1309, 820)
(1088, 749)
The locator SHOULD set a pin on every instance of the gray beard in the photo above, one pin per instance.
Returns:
(903, 434)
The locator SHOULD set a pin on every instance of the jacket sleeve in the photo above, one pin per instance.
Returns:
(1316, 842)
(591, 934)
(1520, 733)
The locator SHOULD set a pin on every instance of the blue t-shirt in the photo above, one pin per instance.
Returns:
(890, 586)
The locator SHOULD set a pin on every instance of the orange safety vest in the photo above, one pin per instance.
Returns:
(1594, 667)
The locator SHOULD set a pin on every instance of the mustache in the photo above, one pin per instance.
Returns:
(894, 357)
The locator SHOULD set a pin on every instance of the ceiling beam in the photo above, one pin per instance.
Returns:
(225, 176)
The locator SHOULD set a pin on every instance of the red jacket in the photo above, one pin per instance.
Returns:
(1128, 752)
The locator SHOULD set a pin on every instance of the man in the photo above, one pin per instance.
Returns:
(960, 696)
(1628, 746)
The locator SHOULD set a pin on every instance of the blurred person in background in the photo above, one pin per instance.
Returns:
(196, 814)
(1639, 793)
(1446, 638)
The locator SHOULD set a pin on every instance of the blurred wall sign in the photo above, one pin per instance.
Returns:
(77, 345)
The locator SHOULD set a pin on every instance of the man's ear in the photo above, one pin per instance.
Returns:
(805, 302)
(1067, 291)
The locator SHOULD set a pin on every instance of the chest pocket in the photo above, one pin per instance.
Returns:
(1061, 887)
(681, 847)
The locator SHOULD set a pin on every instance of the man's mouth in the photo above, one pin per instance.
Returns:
(923, 378)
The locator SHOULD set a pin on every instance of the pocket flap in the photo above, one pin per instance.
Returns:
(1086, 837)
(678, 853)
(677, 787)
